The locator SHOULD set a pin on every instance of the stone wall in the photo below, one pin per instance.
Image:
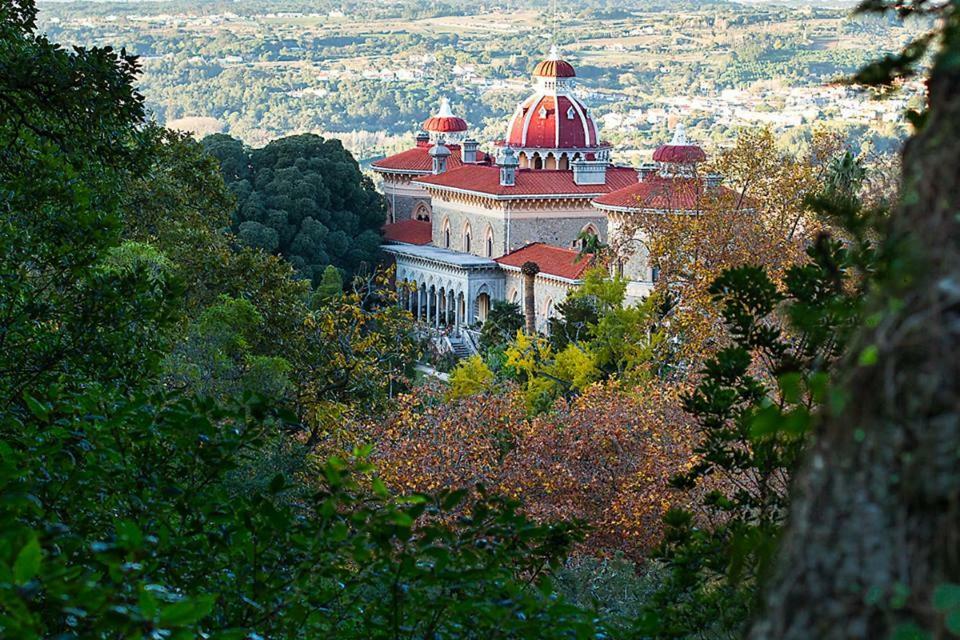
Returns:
(555, 227)
(556, 231)
(480, 223)
(632, 256)
(405, 200)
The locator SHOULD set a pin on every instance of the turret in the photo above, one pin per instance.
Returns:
(508, 167)
(440, 154)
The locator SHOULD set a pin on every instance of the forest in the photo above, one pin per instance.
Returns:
(212, 423)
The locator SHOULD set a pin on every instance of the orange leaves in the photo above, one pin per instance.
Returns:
(605, 457)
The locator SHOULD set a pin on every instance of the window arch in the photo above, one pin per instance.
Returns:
(537, 161)
(423, 212)
(446, 233)
(583, 238)
(489, 241)
(467, 237)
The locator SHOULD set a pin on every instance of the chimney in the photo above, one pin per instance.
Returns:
(646, 170)
(508, 167)
(589, 171)
(470, 147)
(422, 139)
(713, 180)
(439, 153)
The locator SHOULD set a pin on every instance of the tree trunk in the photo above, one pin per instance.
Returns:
(530, 271)
(875, 517)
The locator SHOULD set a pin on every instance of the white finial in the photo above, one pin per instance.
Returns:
(445, 111)
(554, 52)
(679, 135)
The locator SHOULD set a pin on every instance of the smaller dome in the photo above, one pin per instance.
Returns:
(554, 67)
(680, 150)
(439, 151)
(444, 121)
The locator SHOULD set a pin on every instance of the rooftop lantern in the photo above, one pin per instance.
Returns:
(445, 125)
(679, 158)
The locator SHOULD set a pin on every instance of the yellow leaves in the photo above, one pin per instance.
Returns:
(576, 365)
(471, 376)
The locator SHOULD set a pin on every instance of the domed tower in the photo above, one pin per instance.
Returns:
(553, 129)
(680, 157)
(444, 125)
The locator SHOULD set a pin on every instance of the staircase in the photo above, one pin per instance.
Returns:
(461, 348)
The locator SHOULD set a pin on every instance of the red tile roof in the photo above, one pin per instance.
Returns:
(665, 194)
(409, 232)
(418, 160)
(555, 261)
(529, 182)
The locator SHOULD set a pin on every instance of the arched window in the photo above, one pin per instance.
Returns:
(423, 212)
(446, 233)
(571, 114)
(489, 241)
(466, 238)
(586, 235)
(537, 162)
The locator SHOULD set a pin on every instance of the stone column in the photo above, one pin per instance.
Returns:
(436, 308)
(428, 304)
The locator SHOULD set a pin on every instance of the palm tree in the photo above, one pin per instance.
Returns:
(529, 271)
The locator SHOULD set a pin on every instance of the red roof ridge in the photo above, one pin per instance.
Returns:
(552, 260)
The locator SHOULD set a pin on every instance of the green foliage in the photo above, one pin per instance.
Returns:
(304, 198)
(131, 509)
(594, 338)
(217, 357)
(754, 405)
(502, 323)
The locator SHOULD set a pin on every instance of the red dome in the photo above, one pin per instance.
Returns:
(554, 69)
(680, 150)
(552, 122)
(679, 154)
(436, 124)
(444, 121)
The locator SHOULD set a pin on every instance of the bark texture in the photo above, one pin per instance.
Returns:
(530, 271)
(875, 518)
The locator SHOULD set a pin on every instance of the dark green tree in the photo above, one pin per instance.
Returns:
(501, 325)
(304, 198)
(754, 406)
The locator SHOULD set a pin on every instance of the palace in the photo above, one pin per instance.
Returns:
(463, 221)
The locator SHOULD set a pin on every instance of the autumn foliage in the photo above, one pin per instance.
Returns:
(604, 457)
(759, 218)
